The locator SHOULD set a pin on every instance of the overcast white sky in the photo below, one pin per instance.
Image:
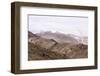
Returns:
(67, 25)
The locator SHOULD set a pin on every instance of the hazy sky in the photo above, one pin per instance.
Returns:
(67, 25)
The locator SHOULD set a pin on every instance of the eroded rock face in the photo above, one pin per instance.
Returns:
(47, 49)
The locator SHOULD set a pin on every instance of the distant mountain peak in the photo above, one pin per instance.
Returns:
(30, 34)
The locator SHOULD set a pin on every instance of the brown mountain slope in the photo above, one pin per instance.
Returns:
(47, 49)
(37, 52)
(71, 50)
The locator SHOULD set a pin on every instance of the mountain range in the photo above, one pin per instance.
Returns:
(63, 38)
(48, 45)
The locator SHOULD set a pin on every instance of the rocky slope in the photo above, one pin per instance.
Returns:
(41, 48)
